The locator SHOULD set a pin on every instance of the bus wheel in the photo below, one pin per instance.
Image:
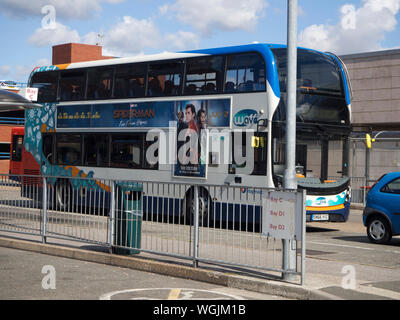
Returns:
(204, 207)
(63, 195)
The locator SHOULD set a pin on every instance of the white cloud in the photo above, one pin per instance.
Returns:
(181, 40)
(208, 16)
(131, 36)
(60, 34)
(69, 9)
(128, 37)
(163, 9)
(359, 30)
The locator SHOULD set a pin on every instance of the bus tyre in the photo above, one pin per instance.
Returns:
(204, 207)
(378, 230)
(63, 195)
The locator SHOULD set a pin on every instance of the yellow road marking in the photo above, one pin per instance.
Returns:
(174, 294)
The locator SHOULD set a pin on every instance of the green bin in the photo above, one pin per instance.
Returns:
(128, 218)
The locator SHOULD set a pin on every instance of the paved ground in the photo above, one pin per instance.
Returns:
(340, 264)
(29, 275)
(338, 251)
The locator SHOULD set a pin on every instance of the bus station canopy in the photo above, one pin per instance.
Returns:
(10, 101)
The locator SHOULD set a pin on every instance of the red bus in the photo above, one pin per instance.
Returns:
(21, 161)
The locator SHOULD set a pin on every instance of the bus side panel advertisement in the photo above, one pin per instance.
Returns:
(194, 117)
(156, 114)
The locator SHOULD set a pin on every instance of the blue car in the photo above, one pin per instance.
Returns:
(381, 215)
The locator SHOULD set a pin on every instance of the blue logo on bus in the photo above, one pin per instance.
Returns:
(320, 201)
(245, 117)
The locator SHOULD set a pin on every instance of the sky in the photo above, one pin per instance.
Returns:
(29, 28)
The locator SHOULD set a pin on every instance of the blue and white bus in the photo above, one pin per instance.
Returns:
(97, 116)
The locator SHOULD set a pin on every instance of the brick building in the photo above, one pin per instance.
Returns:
(76, 52)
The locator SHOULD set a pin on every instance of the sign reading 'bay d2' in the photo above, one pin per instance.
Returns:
(282, 213)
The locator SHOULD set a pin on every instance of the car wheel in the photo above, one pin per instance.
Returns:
(378, 230)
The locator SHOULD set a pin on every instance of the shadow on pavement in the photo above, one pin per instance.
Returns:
(364, 239)
(319, 229)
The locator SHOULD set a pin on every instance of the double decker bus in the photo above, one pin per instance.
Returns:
(102, 119)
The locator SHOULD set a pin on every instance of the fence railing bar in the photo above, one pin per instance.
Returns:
(221, 230)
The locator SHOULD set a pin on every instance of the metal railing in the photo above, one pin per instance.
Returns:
(199, 223)
(359, 188)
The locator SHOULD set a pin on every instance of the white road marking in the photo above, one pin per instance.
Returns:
(354, 247)
(185, 293)
(379, 292)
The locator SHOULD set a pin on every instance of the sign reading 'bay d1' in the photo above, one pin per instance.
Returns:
(282, 214)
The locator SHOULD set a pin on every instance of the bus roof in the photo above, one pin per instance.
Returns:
(262, 48)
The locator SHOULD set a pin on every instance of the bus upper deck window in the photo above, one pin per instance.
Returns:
(204, 75)
(245, 73)
(164, 79)
(72, 85)
(99, 83)
(46, 82)
(130, 81)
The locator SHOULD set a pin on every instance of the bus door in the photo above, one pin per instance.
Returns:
(17, 144)
(48, 155)
(301, 160)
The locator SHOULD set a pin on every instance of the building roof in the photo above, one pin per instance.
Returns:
(371, 54)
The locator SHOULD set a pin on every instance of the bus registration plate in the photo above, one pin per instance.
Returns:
(320, 217)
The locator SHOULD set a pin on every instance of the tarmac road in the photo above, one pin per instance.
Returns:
(341, 264)
(349, 242)
(28, 275)
(335, 249)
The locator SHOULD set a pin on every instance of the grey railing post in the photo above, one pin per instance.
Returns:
(196, 227)
(365, 191)
(112, 215)
(44, 206)
(303, 239)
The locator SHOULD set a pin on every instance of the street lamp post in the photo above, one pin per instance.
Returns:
(289, 178)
